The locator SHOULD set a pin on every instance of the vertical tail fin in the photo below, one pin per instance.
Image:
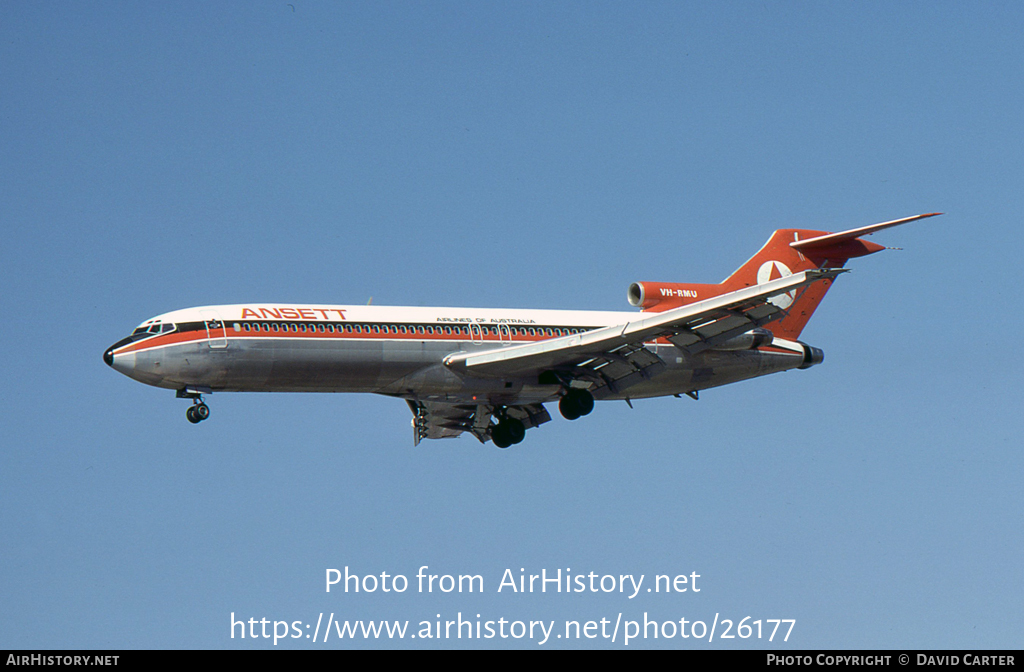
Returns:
(778, 258)
(788, 251)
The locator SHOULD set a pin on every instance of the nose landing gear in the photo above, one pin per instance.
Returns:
(198, 411)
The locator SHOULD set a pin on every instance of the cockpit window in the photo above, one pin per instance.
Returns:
(154, 329)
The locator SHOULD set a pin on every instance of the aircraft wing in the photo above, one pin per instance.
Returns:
(440, 420)
(614, 358)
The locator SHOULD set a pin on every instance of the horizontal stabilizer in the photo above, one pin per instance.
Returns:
(845, 243)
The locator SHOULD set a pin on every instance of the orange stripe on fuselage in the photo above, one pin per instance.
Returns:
(163, 339)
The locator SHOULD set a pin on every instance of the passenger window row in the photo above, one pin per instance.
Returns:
(428, 329)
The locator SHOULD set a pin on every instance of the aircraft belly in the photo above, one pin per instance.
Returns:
(330, 366)
(251, 365)
(402, 358)
(415, 369)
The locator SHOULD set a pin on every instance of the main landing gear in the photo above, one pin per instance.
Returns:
(576, 403)
(507, 431)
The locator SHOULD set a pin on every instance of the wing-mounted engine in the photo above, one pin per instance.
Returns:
(657, 297)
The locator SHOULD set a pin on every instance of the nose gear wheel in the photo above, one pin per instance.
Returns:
(197, 412)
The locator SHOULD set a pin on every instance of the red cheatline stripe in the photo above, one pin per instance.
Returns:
(165, 339)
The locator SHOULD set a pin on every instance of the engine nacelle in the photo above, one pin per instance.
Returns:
(812, 356)
(661, 296)
(754, 338)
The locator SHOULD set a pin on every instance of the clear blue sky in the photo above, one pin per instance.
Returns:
(518, 155)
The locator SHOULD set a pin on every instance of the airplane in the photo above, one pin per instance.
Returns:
(488, 371)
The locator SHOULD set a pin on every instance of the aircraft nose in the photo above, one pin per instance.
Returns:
(122, 362)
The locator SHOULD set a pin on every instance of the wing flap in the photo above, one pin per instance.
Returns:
(441, 420)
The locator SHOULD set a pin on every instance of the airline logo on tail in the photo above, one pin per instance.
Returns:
(773, 270)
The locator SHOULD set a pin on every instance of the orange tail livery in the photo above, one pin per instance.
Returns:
(787, 251)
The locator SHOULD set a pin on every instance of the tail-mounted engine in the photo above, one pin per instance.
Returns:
(812, 356)
(660, 296)
(752, 339)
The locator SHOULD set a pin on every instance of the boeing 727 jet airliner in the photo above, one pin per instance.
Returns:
(489, 372)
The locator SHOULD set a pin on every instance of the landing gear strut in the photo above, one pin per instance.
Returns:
(576, 403)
